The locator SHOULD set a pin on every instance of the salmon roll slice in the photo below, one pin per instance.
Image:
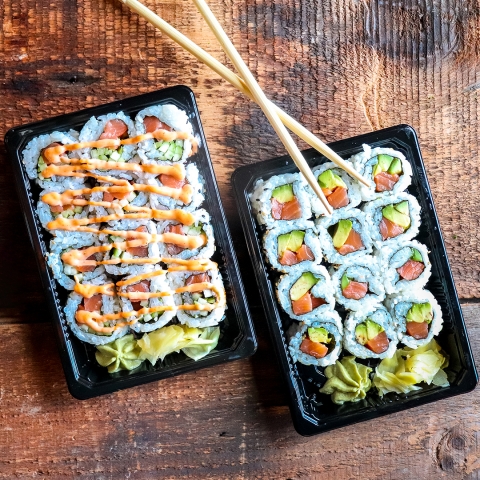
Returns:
(344, 236)
(357, 285)
(337, 186)
(319, 344)
(370, 333)
(163, 117)
(286, 246)
(405, 267)
(417, 316)
(280, 200)
(393, 219)
(306, 292)
(99, 304)
(388, 170)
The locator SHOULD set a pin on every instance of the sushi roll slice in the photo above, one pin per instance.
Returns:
(101, 330)
(417, 316)
(200, 228)
(67, 275)
(306, 292)
(405, 267)
(370, 334)
(286, 246)
(388, 170)
(337, 186)
(169, 118)
(128, 259)
(356, 284)
(282, 199)
(186, 194)
(199, 297)
(319, 344)
(153, 282)
(393, 219)
(35, 164)
(111, 126)
(344, 236)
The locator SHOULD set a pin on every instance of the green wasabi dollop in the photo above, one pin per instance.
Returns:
(121, 354)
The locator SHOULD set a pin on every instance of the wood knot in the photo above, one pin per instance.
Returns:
(452, 454)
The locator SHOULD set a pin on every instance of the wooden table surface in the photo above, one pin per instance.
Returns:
(341, 67)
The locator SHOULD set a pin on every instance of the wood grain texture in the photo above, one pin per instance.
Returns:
(231, 422)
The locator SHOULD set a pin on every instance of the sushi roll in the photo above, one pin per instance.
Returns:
(99, 331)
(306, 292)
(370, 334)
(199, 297)
(392, 219)
(126, 259)
(186, 194)
(417, 316)
(67, 275)
(388, 169)
(169, 118)
(356, 284)
(337, 186)
(281, 199)
(111, 126)
(35, 163)
(286, 246)
(405, 267)
(201, 228)
(153, 282)
(344, 236)
(319, 344)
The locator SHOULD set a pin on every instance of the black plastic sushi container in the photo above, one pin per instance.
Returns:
(85, 377)
(311, 411)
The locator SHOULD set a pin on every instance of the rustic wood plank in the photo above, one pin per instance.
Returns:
(230, 422)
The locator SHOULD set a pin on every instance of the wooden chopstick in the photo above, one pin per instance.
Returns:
(238, 83)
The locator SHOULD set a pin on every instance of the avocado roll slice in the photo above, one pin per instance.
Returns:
(405, 266)
(344, 235)
(339, 189)
(319, 344)
(357, 284)
(388, 169)
(393, 219)
(306, 292)
(281, 199)
(286, 246)
(417, 315)
(370, 333)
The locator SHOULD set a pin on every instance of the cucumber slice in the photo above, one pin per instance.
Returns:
(196, 296)
(78, 209)
(69, 270)
(211, 299)
(164, 148)
(116, 252)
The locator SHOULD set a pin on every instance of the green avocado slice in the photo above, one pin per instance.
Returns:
(398, 218)
(283, 193)
(395, 167)
(318, 334)
(402, 207)
(345, 281)
(330, 180)
(373, 329)
(290, 241)
(416, 256)
(420, 312)
(302, 286)
(383, 164)
(361, 334)
(342, 232)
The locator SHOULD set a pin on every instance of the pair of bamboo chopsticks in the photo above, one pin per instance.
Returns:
(248, 85)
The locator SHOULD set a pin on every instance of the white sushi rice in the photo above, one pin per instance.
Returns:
(110, 304)
(322, 289)
(359, 224)
(270, 245)
(364, 270)
(196, 318)
(380, 316)
(31, 155)
(172, 116)
(400, 304)
(262, 195)
(201, 217)
(365, 162)
(196, 183)
(373, 212)
(148, 323)
(335, 328)
(394, 257)
(353, 188)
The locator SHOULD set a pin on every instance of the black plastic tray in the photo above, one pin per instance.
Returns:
(311, 411)
(85, 378)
